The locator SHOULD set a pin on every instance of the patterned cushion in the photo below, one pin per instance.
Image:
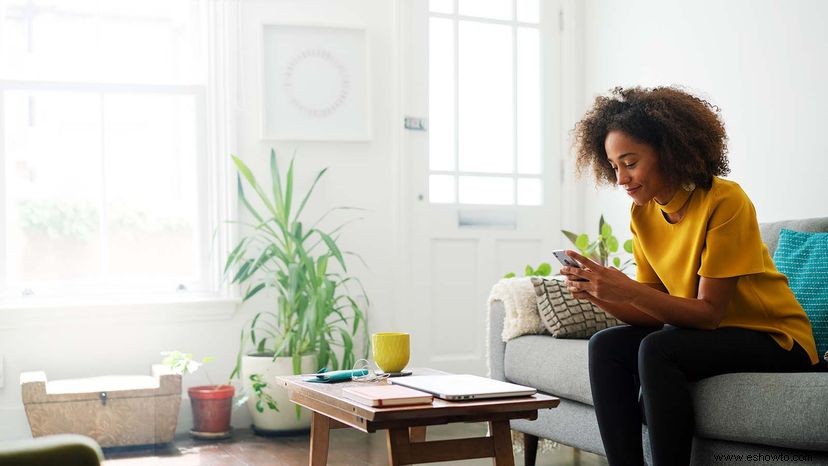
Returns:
(803, 258)
(567, 317)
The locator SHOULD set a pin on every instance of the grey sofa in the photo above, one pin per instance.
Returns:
(736, 414)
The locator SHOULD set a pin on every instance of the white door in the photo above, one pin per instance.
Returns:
(482, 193)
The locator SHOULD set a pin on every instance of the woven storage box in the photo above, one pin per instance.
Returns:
(114, 410)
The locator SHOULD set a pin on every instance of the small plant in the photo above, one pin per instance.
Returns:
(603, 248)
(262, 397)
(211, 404)
(600, 250)
(183, 363)
(543, 270)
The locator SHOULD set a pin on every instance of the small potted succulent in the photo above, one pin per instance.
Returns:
(211, 404)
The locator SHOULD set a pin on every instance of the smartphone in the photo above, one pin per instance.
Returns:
(560, 254)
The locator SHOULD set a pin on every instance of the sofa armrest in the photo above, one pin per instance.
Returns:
(495, 346)
(64, 449)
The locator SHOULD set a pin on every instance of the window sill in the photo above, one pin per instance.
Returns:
(25, 313)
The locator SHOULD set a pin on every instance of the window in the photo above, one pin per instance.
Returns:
(484, 102)
(103, 154)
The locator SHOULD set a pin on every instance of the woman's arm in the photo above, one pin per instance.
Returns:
(624, 295)
(621, 311)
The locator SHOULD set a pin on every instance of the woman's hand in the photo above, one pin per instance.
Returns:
(571, 277)
(594, 280)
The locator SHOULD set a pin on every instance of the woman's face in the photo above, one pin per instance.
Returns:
(636, 168)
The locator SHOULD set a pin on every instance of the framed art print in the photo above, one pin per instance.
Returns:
(315, 83)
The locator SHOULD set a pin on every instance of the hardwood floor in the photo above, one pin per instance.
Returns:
(348, 447)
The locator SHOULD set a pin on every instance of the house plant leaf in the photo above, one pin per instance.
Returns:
(279, 260)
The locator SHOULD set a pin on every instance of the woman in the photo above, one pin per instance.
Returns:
(707, 298)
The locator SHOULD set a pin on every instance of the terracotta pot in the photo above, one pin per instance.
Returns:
(212, 406)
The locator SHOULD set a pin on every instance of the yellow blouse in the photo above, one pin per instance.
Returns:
(718, 237)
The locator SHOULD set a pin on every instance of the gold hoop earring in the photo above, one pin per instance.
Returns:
(689, 186)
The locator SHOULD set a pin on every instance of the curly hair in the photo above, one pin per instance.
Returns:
(686, 132)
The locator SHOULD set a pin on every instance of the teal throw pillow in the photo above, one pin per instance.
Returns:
(803, 258)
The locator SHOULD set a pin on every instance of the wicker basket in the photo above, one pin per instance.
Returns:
(114, 410)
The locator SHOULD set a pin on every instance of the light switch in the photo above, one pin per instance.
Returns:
(416, 124)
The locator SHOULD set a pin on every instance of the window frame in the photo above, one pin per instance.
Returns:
(216, 136)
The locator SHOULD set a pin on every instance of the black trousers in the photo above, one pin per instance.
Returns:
(662, 362)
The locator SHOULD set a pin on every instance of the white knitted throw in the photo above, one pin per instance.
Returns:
(520, 303)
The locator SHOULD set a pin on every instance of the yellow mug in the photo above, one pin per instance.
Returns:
(391, 350)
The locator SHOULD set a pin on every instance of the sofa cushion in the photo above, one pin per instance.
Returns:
(770, 231)
(567, 317)
(784, 410)
(554, 366)
(803, 258)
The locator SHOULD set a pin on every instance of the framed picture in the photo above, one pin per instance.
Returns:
(315, 83)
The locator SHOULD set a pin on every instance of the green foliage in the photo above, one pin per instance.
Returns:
(313, 311)
(262, 397)
(604, 248)
(79, 220)
(183, 363)
(543, 270)
(59, 219)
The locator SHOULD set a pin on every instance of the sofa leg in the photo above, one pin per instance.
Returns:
(530, 449)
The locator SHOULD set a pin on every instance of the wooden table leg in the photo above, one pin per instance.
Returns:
(397, 442)
(320, 435)
(417, 434)
(502, 439)
(530, 449)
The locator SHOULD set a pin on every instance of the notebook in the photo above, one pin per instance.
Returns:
(386, 395)
(463, 386)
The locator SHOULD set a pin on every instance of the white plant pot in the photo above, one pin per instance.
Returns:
(271, 421)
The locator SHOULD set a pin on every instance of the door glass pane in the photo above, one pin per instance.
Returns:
(527, 11)
(441, 189)
(530, 191)
(485, 98)
(486, 190)
(528, 101)
(53, 185)
(151, 227)
(441, 94)
(441, 6)
(495, 9)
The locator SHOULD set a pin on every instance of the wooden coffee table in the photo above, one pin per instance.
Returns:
(407, 425)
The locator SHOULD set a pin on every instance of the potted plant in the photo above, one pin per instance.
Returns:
(601, 250)
(604, 246)
(311, 319)
(211, 404)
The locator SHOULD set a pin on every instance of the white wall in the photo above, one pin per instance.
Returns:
(763, 62)
(84, 342)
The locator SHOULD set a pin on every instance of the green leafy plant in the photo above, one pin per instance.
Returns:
(313, 310)
(262, 397)
(543, 270)
(183, 363)
(604, 248)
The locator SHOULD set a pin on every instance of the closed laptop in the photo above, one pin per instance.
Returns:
(455, 387)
